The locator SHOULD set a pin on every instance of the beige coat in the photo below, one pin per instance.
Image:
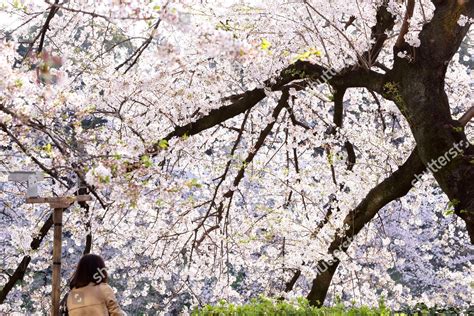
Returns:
(93, 300)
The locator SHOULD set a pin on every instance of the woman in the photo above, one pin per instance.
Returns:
(90, 294)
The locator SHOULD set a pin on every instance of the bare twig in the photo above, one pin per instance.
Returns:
(136, 55)
(406, 23)
(467, 116)
(42, 34)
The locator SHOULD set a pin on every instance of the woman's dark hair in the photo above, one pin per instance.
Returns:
(91, 268)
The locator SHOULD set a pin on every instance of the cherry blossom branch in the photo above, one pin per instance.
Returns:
(359, 57)
(240, 174)
(232, 152)
(260, 141)
(51, 172)
(351, 157)
(227, 167)
(23, 265)
(300, 70)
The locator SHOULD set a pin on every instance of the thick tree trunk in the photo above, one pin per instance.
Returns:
(442, 144)
(393, 187)
(417, 87)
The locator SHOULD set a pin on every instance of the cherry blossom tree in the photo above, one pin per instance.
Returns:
(237, 148)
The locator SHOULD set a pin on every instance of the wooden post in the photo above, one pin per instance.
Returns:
(57, 247)
(58, 204)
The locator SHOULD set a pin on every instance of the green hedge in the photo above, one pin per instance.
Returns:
(299, 307)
